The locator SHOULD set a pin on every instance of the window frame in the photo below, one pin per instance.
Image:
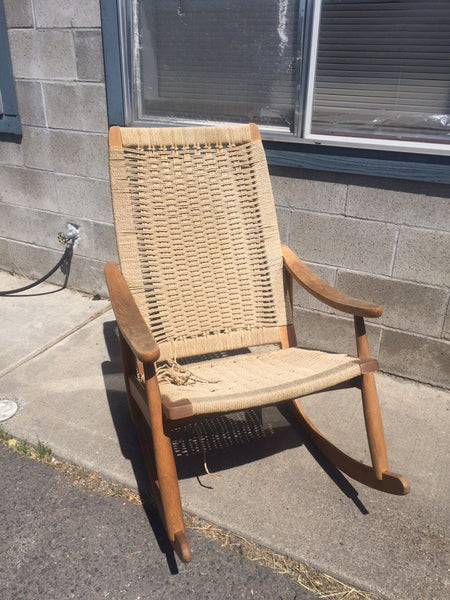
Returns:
(370, 143)
(9, 118)
(129, 63)
(281, 149)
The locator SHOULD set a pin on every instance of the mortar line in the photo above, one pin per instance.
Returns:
(394, 252)
(446, 316)
(53, 342)
(346, 200)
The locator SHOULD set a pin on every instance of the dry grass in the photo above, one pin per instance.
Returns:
(84, 479)
(307, 577)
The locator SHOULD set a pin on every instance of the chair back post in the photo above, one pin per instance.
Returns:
(115, 137)
(362, 343)
(287, 332)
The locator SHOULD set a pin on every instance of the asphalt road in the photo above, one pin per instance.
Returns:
(59, 542)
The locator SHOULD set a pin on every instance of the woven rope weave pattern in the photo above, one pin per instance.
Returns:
(256, 379)
(198, 237)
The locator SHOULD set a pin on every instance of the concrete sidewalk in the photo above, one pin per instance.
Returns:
(59, 360)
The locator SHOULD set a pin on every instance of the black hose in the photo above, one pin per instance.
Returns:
(65, 258)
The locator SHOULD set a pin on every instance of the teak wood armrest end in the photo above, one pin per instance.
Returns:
(131, 323)
(324, 292)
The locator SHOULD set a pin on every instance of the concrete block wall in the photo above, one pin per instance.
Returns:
(380, 239)
(383, 240)
(57, 173)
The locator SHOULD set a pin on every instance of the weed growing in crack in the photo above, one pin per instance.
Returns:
(44, 452)
(23, 447)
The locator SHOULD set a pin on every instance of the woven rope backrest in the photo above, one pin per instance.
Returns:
(198, 238)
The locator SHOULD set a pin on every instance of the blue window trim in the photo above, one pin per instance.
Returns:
(382, 163)
(112, 62)
(9, 120)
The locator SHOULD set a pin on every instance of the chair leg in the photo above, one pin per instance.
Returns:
(371, 407)
(374, 425)
(378, 476)
(166, 473)
(391, 483)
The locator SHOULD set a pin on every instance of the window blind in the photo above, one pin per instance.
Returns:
(219, 59)
(383, 69)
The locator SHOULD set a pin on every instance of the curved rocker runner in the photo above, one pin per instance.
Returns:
(202, 271)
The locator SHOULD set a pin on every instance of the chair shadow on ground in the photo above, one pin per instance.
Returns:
(215, 444)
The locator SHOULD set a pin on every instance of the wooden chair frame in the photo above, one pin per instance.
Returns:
(140, 353)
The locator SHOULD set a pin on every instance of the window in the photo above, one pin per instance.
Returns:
(380, 70)
(214, 61)
(357, 73)
(9, 118)
(217, 60)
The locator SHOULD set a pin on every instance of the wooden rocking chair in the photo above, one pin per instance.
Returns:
(202, 272)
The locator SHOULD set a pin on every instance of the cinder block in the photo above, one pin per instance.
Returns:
(41, 228)
(28, 187)
(304, 299)
(5, 256)
(33, 261)
(343, 242)
(413, 203)
(85, 198)
(66, 152)
(416, 357)
(408, 306)
(18, 14)
(42, 54)
(322, 331)
(10, 150)
(292, 189)
(89, 55)
(104, 240)
(85, 275)
(283, 216)
(77, 106)
(423, 255)
(67, 13)
(31, 103)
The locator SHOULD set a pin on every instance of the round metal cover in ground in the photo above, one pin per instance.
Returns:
(8, 408)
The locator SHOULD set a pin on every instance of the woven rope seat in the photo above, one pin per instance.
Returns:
(241, 381)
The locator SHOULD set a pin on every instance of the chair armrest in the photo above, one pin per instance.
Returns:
(131, 323)
(324, 292)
